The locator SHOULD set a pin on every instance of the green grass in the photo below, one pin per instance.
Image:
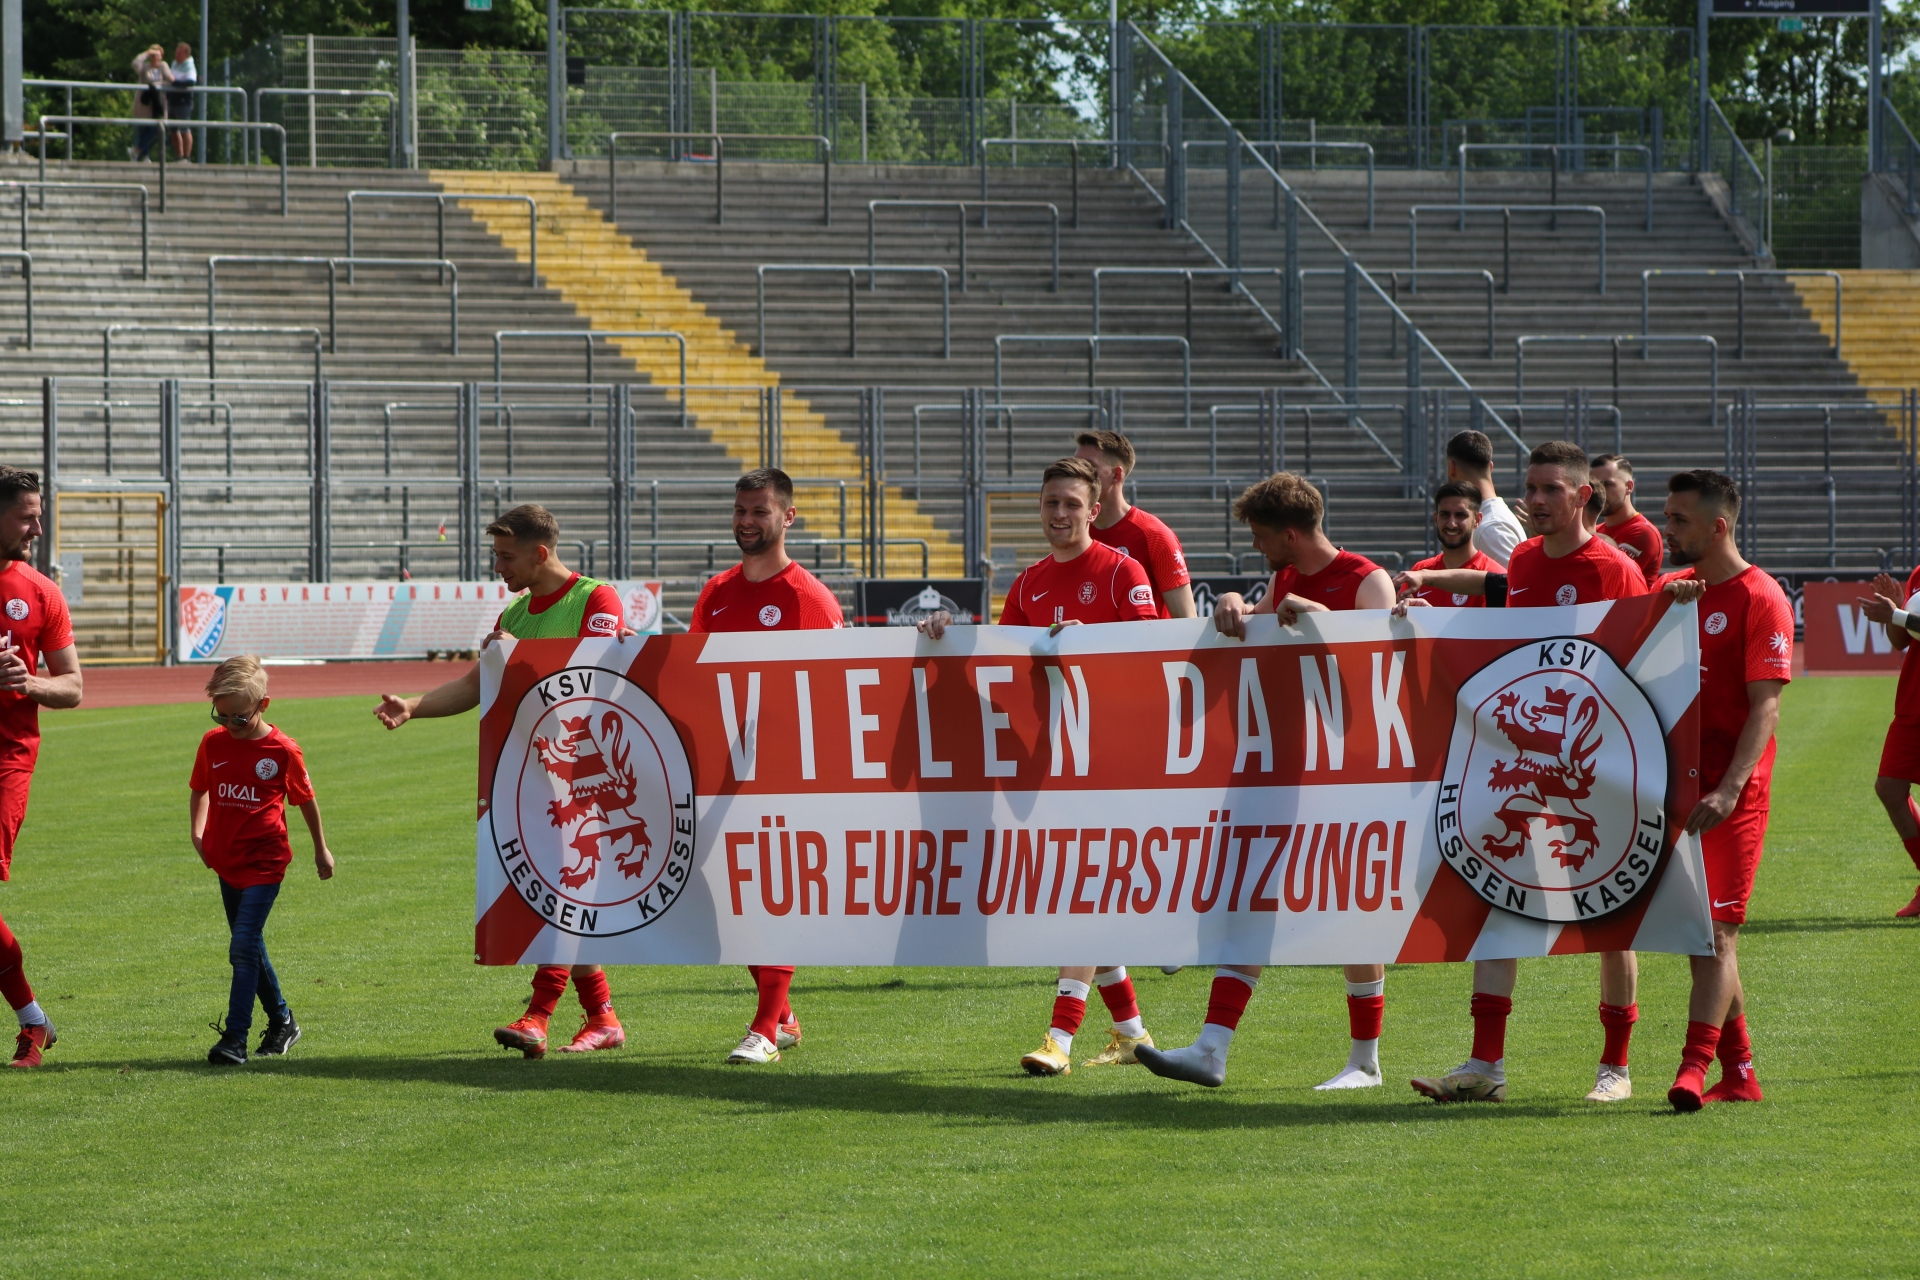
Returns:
(901, 1136)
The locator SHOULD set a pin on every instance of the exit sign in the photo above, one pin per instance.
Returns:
(1792, 24)
(479, 6)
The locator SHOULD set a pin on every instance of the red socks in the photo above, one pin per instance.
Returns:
(1618, 1020)
(1069, 1009)
(596, 999)
(773, 982)
(1490, 1026)
(1702, 1039)
(1913, 845)
(1364, 1016)
(549, 984)
(13, 978)
(1736, 1050)
(1228, 1000)
(1121, 1002)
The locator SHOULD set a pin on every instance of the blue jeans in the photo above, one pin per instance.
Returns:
(247, 952)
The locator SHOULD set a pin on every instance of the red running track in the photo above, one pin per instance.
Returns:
(154, 686)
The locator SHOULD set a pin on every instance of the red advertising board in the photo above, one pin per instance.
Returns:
(1839, 638)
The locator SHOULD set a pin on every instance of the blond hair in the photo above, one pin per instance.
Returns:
(243, 675)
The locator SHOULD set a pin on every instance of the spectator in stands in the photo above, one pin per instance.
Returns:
(180, 97)
(150, 103)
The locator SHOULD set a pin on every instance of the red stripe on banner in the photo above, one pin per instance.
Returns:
(504, 933)
(1448, 922)
(1628, 624)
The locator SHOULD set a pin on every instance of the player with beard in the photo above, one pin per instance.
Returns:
(1470, 462)
(1456, 514)
(1080, 582)
(1746, 659)
(558, 604)
(1564, 563)
(1632, 532)
(1310, 574)
(1900, 755)
(37, 627)
(766, 591)
(1131, 531)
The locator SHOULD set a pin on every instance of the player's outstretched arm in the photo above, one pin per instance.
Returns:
(1763, 716)
(1460, 582)
(322, 856)
(58, 689)
(450, 699)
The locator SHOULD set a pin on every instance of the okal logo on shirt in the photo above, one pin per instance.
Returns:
(593, 817)
(1553, 800)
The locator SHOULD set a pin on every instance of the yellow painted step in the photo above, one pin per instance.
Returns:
(613, 285)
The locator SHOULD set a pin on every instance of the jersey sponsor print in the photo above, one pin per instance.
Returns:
(249, 783)
(1640, 542)
(1148, 539)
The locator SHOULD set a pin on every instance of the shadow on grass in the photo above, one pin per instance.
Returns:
(1012, 1099)
(1824, 924)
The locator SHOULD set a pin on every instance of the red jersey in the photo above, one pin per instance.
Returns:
(1906, 699)
(604, 615)
(36, 623)
(1098, 585)
(1148, 540)
(1639, 542)
(250, 783)
(791, 600)
(1594, 573)
(1448, 599)
(1746, 634)
(1335, 586)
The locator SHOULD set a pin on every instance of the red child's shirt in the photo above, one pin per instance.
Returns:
(249, 784)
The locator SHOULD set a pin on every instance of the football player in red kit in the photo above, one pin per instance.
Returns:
(1456, 514)
(1131, 531)
(765, 592)
(1079, 582)
(1746, 658)
(1900, 756)
(1632, 532)
(1284, 514)
(36, 628)
(1564, 563)
(558, 603)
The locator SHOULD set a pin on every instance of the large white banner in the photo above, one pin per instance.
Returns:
(1457, 784)
(359, 619)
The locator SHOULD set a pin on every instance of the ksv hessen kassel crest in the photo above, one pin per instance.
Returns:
(592, 810)
(1552, 804)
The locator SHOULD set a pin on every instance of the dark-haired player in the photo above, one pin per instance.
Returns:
(1746, 659)
(1900, 755)
(1565, 563)
(766, 591)
(36, 627)
(1284, 514)
(1632, 532)
(1470, 462)
(558, 604)
(1456, 515)
(1131, 531)
(1079, 582)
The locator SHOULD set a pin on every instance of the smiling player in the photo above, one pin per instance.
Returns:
(1456, 515)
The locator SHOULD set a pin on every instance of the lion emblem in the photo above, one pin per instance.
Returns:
(600, 790)
(1552, 772)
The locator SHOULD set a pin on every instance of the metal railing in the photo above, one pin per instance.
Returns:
(853, 306)
(1093, 342)
(1554, 151)
(146, 238)
(1314, 147)
(213, 331)
(1393, 287)
(25, 260)
(587, 337)
(333, 265)
(961, 207)
(1909, 150)
(1616, 341)
(719, 141)
(1740, 306)
(109, 86)
(1185, 273)
(393, 137)
(1741, 173)
(1073, 145)
(440, 199)
(1506, 212)
(166, 126)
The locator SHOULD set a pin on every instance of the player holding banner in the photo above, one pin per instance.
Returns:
(1900, 756)
(1284, 513)
(558, 604)
(1079, 582)
(1746, 658)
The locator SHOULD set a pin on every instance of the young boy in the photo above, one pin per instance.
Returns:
(243, 777)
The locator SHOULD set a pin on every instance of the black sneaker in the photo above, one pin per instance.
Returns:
(279, 1037)
(231, 1051)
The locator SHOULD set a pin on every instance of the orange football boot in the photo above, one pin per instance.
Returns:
(527, 1033)
(33, 1041)
(596, 1033)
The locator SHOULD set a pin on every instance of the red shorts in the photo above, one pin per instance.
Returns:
(13, 811)
(1900, 758)
(1732, 854)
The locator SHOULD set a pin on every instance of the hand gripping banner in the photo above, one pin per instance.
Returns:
(1458, 784)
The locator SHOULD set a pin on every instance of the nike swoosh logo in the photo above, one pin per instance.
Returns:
(1514, 591)
(723, 608)
(1039, 595)
(220, 764)
(1717, 906)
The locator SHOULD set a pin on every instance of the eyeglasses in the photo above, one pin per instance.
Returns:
(236, 722)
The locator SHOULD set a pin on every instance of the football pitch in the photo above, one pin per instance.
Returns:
(901, 1136)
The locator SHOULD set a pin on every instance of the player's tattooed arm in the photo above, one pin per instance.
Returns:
(58, 689)
(322, 856)
(1880, 607)
(450, 699)
(1763, 716)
